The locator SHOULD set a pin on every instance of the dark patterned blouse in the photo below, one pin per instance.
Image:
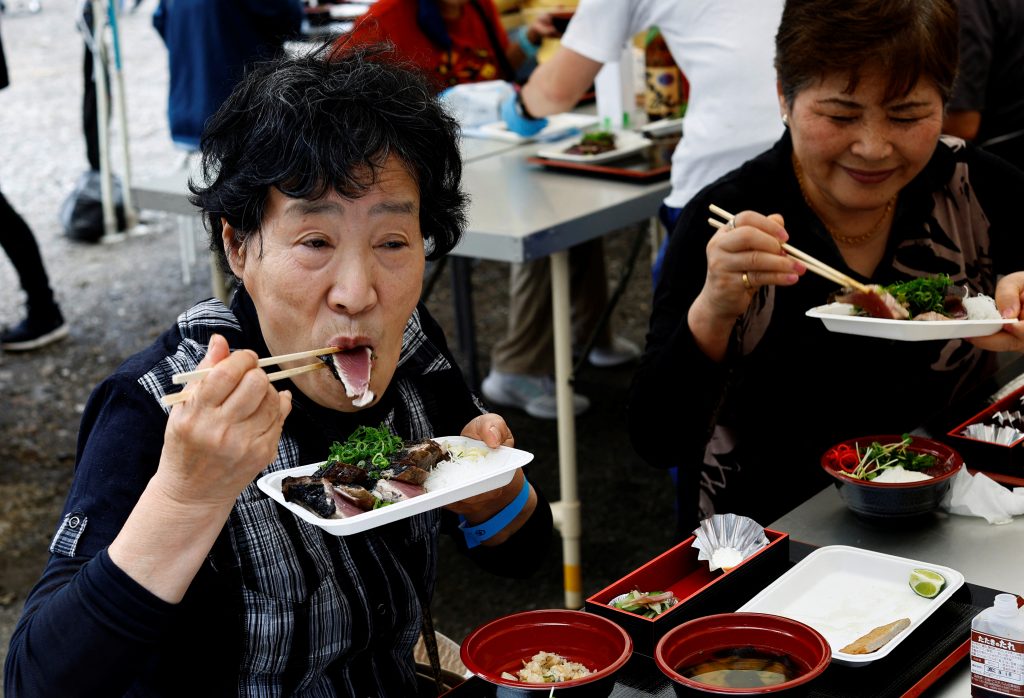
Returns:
(748, 434)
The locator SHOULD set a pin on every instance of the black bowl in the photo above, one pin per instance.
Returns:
(886, 500)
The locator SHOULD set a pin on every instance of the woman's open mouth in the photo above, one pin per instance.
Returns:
(352, 367)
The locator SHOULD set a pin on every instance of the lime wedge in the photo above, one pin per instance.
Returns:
(927, 583)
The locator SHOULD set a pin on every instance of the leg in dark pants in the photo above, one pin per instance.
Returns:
(44, 323)
(90, 119)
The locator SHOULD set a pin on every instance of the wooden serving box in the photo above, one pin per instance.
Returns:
(1002, 462)
(700, 591)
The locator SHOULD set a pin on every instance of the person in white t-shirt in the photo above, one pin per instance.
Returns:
(725, 50)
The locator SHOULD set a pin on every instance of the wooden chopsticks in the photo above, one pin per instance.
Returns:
(180, 378)
(813, 265)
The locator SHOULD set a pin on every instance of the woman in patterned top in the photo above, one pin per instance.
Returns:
(327, 185)
(862, 181)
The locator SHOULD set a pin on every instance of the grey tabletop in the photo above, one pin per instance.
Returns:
(520, 212)
(167, 192)
(987, 555)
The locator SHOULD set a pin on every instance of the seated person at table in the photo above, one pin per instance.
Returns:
(171, 573)
(724, 49)
(453, 41)
(861, 181)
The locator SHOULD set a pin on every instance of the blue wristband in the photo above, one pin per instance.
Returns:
(475, 535)
(523, 39)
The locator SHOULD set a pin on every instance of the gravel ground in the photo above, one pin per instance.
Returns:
(119, 297)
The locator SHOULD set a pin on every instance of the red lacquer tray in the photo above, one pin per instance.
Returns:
(943, 641)
(632, 168)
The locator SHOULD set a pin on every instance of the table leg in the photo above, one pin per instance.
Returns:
(462, 297)
(567, 510)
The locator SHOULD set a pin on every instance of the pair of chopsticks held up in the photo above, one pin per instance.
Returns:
(812, 264)
(183, 378)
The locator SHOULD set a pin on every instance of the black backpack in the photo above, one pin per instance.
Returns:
(81, 214)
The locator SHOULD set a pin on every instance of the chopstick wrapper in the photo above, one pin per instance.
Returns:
(980, 495)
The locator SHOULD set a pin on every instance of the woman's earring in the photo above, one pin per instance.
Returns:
(785, 120)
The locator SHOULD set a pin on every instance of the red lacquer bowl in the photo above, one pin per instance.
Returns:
(503, 644)
(697, 640)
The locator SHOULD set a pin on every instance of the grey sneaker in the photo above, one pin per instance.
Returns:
(534, 394)
(622, 351)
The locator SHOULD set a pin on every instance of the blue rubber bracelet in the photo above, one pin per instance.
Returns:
(523, 39)
(475, 535)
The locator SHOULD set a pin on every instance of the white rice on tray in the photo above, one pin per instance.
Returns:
(457, 470)
(981, 308)
(548, 667)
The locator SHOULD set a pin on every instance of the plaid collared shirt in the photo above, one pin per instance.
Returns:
(314, 614)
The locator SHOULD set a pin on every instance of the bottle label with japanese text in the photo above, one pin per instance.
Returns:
(997, 666)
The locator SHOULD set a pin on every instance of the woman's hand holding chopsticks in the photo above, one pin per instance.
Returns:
(744, 254)
(215, 444)
(228, 429)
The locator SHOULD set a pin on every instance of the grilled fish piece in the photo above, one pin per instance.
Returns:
(318, 496)
(396, 490)
(415, 461)
(357, 495)
(876, 303)
(345, 474)
(423, 454)
(877, 638)
(311, 493)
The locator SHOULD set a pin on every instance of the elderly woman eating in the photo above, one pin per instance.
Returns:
(863, 181)
(327, 183)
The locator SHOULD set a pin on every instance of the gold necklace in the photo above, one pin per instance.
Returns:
(850, 240)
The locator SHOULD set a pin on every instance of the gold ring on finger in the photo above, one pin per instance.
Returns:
(746, 282)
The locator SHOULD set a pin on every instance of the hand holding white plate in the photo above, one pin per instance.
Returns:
(473, 469)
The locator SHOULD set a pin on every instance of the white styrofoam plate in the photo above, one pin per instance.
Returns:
(626, 143)
(346, 11)
(450, 481)
(845, 592)
(906, 330)
(559, 126)
(663, 127)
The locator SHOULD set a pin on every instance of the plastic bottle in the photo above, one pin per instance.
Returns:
(665, 86)
(997, 650)
(613, 91)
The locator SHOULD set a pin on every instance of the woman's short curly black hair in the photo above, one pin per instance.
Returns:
(323, 121)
